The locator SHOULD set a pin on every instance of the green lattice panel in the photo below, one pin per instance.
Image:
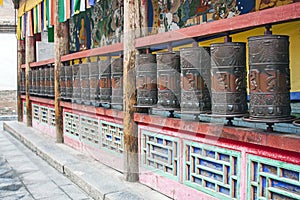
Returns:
(112, 137)
(272, 179)
(160, 153)
(52, 116)
(44, 114)
(212, 170)
(36, 112)
(71, 125)
(89, 131)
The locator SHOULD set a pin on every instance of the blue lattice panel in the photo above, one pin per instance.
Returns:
(36, 112)
(160, 153)
(212, 170)
(52, 117)
(112, 137)
(272, 179)
(89, 130)
(71, 125)
(44, 114)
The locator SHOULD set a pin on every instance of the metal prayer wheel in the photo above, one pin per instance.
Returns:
(228, 74)
(47, 81)
(168, 80)
(22, 84)
(76, 83)
(269, 78)
(51, 78)
(195, 80)
(105, 79)
(62, 80)
(146, 80)
(94, 81)
(116, 81)
(33, 82)
(84, 83)
(69, 82)
(37, 81)
(42, 81)
(30, 82)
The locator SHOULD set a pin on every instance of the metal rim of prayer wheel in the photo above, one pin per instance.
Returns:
(117, 82)
(94, 81)
(296, 122)
(168, 81)
(105, 81)
(146, 80)
(228, 79)
(62, 79)
(269, 79)
(195, 65)
(84, 83)
(47, 81)
(42, 81)
(76, 83)
(69, 82)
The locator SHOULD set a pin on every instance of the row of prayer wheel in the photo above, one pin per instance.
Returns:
(193, 81)
(41, 81)
(213, 80)
(93, 83)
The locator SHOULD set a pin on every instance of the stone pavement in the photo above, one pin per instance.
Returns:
(24, 175)
(96, 179)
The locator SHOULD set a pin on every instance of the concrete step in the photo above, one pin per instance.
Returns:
(97, 180)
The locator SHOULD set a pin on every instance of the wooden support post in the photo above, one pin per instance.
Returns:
(131, 168)
(21, 58)
(29, 57)
(61, 46)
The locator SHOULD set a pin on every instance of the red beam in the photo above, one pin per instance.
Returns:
(42, 100)
(93, 110)
(41, 63)
(242, 22)
(94, 52)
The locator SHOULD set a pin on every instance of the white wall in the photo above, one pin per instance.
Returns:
(8, 61)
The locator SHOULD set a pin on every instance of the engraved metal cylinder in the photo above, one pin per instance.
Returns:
(94, 81)
(69, 82)
(42, 81)
(33, 82)
(47, 81)
(105, 88)
(195, 79)
(146, 79)
(22, 84)
(168, 80)
(30, 82)
(117, 81)
(62, 81)
(269, 76)
(76, 82)
(84, 82)
(51, 85)
(228, 75)
(37, 82)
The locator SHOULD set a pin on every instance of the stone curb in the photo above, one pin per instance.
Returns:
(97, 180)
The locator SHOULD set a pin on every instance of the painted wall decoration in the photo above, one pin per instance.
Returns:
(98, 26)
(167, 15)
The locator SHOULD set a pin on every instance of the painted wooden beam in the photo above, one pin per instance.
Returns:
(61, 47)
(239, 23)
(29, 57)
(21, 58)
(131, 21)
